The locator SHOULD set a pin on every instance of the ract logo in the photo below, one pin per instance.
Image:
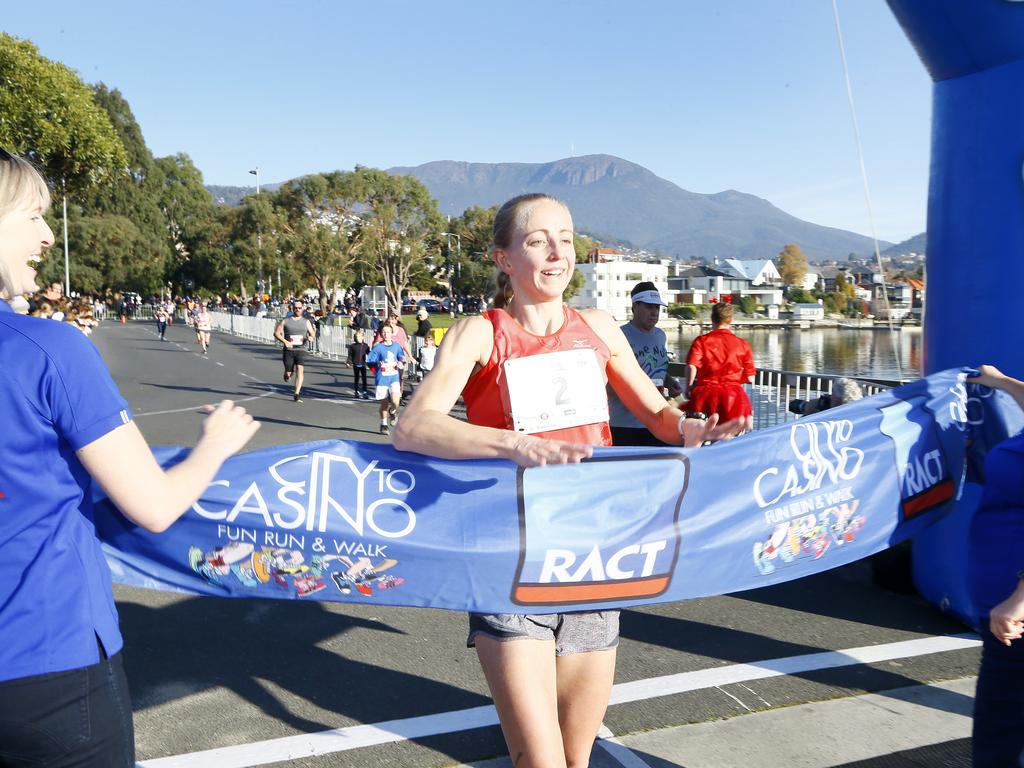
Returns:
(314, 491)
(822, 456)
(925, 481)
(583, 540)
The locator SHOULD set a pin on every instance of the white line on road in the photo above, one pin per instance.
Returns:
(198, 407)
(220, 363)
(359, 736)
(618, 751)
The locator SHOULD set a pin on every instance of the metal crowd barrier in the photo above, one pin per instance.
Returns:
(332, 344)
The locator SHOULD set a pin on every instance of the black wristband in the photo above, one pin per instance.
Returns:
(700, 415)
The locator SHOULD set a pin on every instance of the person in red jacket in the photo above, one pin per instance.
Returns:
(550, 675)
(720, 363)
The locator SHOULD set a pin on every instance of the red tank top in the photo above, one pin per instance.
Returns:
(486, 393)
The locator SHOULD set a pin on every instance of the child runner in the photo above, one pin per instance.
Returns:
(427, 354)
(357, 352)
(389, 357)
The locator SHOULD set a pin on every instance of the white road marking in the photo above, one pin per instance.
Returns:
(219, 363)
(198, 407)
(619, 752)
(359, 736)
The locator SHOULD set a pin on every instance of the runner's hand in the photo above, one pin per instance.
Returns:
(988, 376)
(1006, 620)
(530, 451)
(697, 431)
(226, 429)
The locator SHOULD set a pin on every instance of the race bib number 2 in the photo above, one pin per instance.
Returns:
(556, 390)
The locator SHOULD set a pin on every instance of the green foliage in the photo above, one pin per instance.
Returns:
(322, 231)
(792, 264)
(583, 245)
(48, 113)
(474, 271)
(403, 226)
(683, 311)
(800, 296)
(748, 305)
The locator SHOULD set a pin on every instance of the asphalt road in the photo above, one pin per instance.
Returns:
(209, 673)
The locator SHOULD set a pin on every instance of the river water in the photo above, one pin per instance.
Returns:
(836, 351)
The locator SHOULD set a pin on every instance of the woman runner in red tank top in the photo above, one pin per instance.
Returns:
(500, 362)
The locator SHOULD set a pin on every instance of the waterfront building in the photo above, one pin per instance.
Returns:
(608, 278)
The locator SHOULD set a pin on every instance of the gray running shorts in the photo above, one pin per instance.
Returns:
(579, 632)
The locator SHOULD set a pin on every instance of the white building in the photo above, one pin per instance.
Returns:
(808, 312)
(757, 271)
(607, 283)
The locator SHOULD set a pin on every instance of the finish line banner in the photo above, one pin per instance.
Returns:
(361, 522)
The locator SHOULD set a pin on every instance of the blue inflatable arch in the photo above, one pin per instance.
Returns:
(974, 51)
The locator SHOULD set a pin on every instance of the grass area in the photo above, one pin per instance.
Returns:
(436, 321)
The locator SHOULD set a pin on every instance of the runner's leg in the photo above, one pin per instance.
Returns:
(299, 369)
(584, 683)
(521, 676)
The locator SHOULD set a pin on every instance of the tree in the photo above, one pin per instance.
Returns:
(323, 232)
(402, 227)
(792, 264)
(48, 114)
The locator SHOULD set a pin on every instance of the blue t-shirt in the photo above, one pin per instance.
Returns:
(997, 530)
(386, 357)
(56, 396)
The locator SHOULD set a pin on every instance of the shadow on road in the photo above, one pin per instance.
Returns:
(248, 646)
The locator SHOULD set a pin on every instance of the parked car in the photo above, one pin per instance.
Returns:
(432, 305)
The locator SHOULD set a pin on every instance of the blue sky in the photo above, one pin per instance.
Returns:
(709, 94)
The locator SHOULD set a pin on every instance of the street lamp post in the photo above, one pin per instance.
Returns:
(451, 291)
(259, 240)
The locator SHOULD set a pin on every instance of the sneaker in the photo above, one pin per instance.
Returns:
(367, 395)
(393, 417)
(287, 375)
(384, 430)
(296, 398)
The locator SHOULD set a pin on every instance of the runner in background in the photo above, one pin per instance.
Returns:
(204, 324)
(550, 675)
(292, 332)
(389, 357)
(651, 351)
(64, 698)
(161, 317)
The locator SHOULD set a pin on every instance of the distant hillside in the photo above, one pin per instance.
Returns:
(621, 201)
(916, 244)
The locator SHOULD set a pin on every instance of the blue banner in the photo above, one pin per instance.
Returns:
(360, 522)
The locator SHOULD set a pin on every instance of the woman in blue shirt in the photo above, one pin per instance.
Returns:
(63, 695)
(997, 582)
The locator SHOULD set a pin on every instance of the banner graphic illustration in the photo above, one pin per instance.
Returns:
(360, 522)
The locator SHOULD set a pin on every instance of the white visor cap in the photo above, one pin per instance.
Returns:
(648, 297)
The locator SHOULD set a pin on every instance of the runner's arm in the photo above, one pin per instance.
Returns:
(426, 426)
(279, 334)
(121, 462)
(643, 399)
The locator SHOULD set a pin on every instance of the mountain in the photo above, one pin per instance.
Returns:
(619, 201)
(916, 244)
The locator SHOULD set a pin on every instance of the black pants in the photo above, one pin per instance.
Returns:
(999, 704)
(359, 372)
(634, 436)
(81, 718)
